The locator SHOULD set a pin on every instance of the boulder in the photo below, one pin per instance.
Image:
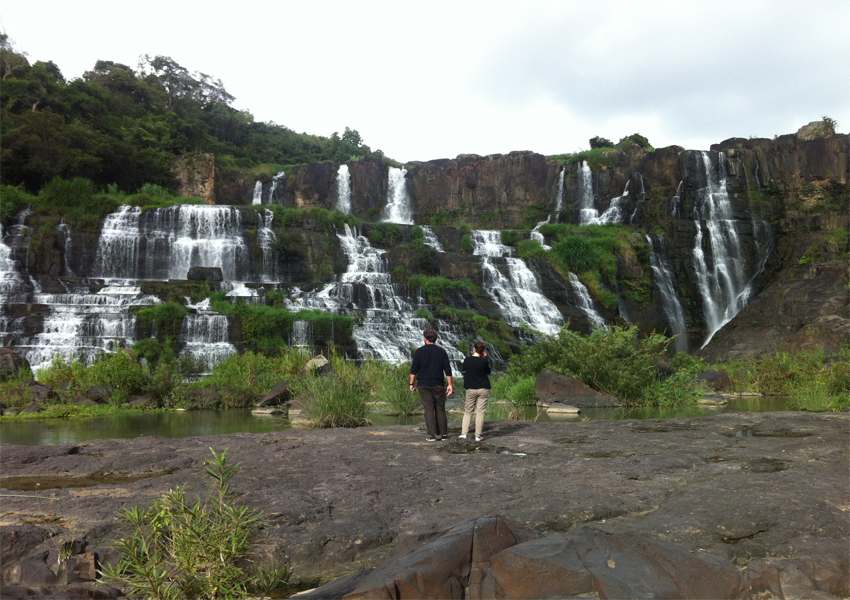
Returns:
(100, 393)
(205, 274)
(43, 393)
(718, 381)
(141, 402)
(554, 387)
(439, 564)
(559, 408)
(590, 561)
(279, 394)
(318, 366)
(204, 398)
(83, 401)
(11, 363)
(34, 407)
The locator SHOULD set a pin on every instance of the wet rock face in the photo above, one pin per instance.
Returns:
(338, 501)
(553, 387)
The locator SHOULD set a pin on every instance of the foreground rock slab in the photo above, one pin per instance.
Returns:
(761, 491)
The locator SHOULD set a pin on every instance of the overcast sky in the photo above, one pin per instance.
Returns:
(427, 80)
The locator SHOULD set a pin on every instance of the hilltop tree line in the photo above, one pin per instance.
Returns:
(120, 126)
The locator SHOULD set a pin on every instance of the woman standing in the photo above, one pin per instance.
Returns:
(477, 383)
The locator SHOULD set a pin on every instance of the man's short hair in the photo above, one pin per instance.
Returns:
(430, 335)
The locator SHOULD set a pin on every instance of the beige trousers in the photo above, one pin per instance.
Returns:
(475, 400)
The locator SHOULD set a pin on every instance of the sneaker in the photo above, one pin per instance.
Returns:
(479, 439)
(461, 437)
(439, 438)
(430, 438)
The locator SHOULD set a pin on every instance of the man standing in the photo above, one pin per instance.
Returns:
(430, 362)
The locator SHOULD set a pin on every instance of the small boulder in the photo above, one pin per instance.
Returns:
(35, 407)
(100, 393)
(43, 393)
(318, 366)
(205, 274)
(554, 387)
(11, 363)
(204, 398)
(717, 380)
(141, 402)
(564, 409)
(83, 401)
(279, 394)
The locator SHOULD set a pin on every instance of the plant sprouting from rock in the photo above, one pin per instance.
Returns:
(180, 549)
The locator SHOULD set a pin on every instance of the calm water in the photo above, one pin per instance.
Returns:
(211, 422)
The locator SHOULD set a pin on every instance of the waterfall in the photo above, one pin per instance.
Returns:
(343, 185)
(389, 327)
(674, 204)
(266, 238)
(206, 338)
(275, 184)
(586, 204)
(66, 246)
(664, 278)
(585, 302)
(640, 198)
(559, 198)
(518, 293)
(163, 243)
(302, 333)
(398, 209)
(258, 193)
(537, 236)
(723, 283)
(430, 239)
(614, 212)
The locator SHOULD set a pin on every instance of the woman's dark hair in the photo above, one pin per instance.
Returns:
(430, 335)
(480, 347)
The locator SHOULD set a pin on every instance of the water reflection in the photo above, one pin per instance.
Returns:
(217, 422)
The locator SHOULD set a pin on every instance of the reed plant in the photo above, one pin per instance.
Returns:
(393, 388)
(183, 549)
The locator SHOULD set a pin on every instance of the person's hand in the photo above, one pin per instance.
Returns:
(484, 354)
(412, 388)
(449, 390)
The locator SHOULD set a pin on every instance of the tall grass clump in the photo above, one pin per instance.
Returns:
(181, 548)
(336, 400)
(393, 387)
(241, 379)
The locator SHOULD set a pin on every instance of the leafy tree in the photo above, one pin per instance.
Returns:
(600, 142)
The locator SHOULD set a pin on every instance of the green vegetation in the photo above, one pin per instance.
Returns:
(617, 361)
(184, 549)
(435, 288)
(339, 399)
(385, 234)
(391, 386)
(330, 219)
(121, 126)
(511, 237)
(812, 382)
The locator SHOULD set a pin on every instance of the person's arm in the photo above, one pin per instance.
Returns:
(449, 387)
(447, 369)
(414, 369)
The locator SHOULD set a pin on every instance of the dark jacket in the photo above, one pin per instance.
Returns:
(429, 363)
(475, 370)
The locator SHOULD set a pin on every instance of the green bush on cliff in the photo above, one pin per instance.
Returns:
(180, 548)
(13, 200)
(435, 288)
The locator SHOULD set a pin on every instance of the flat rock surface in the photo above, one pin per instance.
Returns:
(741, 486)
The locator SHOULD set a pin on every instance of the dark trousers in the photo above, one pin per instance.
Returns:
(434, 401)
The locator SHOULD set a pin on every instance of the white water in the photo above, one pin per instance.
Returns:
(559, 198)
(724, 285)
(430, 239)
(664, 278)
(258, 193)
(275, 184)
(537, 236)
(614, 212)
(206, 338)
(585, 302)
(266, 238)
(343, 185)
(587, 207)
(390, 328)
(518, 292)
(398, 209)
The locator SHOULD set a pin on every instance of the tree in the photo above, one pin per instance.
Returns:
(11, 59)
(179, 84)
(600, 142)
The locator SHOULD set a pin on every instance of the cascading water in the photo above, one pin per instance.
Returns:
(559, 198)
(258, 193)
(343, 185)
(205, 337)
(641, 197)
(302, 333)
(266, 238)
(665, 282)
(518, 293)
(537, 236)
(429, 238)
(274, 187)
(585, 302)
(586, 202)
(614, 212)
(390, 327)
(163, 243)
(722, 279)
(398, 209)
(66, 246)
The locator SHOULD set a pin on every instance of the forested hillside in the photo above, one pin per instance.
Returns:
(120, 126)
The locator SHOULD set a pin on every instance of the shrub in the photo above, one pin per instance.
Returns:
(242, 378)
(14, 200)
(523, 392)
(530, 249)
(183, 549)
(121, 372)
(168, 318)
(466, 243)
(510, 237)
(394, 389)
(435, 288)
